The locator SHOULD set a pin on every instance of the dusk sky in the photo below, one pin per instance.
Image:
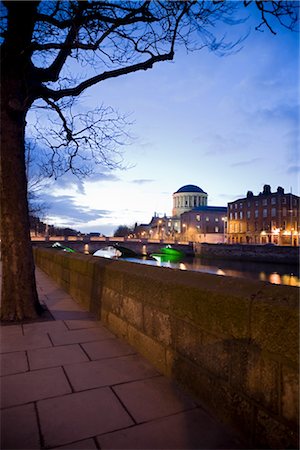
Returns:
(227, 124)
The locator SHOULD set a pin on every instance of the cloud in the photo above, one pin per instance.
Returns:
(65, 209)
(142, 181)
(293, 169)
(69, 180)
(246, 163)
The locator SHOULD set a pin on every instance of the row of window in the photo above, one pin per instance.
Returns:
(239, 214)
(267, 226)
(207, 219)
(265, 202)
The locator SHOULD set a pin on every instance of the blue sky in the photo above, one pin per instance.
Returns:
(227, 124)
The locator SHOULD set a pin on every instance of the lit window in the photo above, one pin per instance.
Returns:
(241, 214)
(240, 227)
(235, 215)
(265, 202)
(241, 205)
(235, 206)
(273, 200)
(230, 216)
(216, 219)
(284, 211)
(273, 212)
(217, 229)
(198, 217)
(284, 200)
(231, 206)
(207, 219)
(256, 213)
(248, 214)
(256, 203)
(265, 212)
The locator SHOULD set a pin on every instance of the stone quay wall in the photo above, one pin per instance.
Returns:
(243, 252)
(232, 343)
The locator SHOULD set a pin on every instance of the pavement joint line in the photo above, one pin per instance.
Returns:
(68, 379)
(41, 437)
(96, 442)
(123, 404)
(15, 351)
(84, 351)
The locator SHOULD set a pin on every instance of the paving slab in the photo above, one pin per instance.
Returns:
(81, 416)
(14, 343)
(108, 372)
(56, 356)
(31, 386)
(153, 398)
(79, 324)
(80, 336)
(19, 428)
(12, 363)
(87, 444)
(10, 330)
(188, 430)
(54, 326)
(110, 348)
(70, 315)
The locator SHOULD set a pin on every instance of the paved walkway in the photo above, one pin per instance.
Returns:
(70, 383)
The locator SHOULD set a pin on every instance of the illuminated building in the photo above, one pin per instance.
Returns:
(204, 224)
(266, 218)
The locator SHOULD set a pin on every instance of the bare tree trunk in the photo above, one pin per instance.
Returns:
(19, 295)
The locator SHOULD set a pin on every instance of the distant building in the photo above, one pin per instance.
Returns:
(269, 217)
(204, 224)
(187, 198)
(191, 219)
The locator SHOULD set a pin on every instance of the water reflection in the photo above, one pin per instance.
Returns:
(273, 273)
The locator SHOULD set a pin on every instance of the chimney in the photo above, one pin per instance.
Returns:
(280, 190)
(267, 189)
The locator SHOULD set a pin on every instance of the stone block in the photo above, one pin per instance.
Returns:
(262, 381)
(115, 324)
(157, 324)
(148, 347)
(290, 394)
(132, 312)
(214, 312)
(214, 354)
(111, 300)
(275, 328)
(270, 433)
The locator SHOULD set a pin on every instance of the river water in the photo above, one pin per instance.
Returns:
(287, 274)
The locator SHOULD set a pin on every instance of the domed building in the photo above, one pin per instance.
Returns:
(187, 198)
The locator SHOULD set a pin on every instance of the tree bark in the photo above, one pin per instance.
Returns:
(19, 294)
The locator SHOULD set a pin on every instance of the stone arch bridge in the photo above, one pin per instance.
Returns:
(92, 244)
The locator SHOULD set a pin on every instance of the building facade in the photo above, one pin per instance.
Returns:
(266, 218)
(187, 198)
(204, 224)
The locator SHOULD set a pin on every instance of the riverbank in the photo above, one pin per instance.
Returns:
(244, 252)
